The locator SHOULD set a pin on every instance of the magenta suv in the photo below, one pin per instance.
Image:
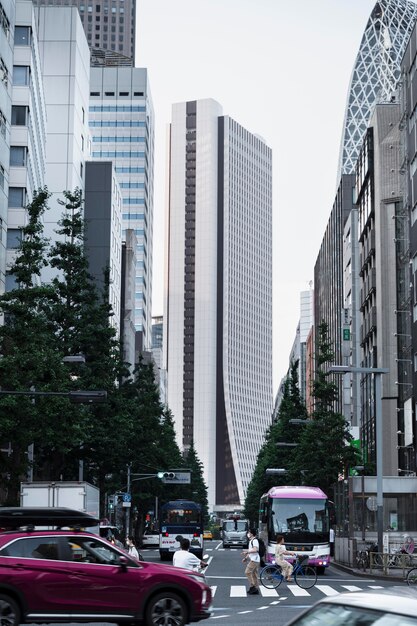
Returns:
(76, 576)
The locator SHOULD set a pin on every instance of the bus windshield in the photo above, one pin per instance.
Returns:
(183, 516)
(299, 519)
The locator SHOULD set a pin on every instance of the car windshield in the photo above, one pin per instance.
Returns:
(340, 615)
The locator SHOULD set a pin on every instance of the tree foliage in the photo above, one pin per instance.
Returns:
(69, 316)
(322, 453)
(273, 455)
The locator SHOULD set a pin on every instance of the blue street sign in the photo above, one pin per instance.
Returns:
(127, 497)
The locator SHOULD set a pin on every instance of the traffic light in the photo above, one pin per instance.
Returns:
(110, 501)
(169, 475)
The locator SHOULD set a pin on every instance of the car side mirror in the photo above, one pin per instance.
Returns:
(123, 562)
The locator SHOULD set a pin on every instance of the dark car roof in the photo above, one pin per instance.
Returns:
(15, 517)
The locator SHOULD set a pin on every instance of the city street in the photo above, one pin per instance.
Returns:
(233, 607)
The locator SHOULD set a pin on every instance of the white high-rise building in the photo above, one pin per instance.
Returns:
(218, 294)
(122, 129)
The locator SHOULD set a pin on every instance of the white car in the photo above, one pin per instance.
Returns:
(150, 538)
(383, 607)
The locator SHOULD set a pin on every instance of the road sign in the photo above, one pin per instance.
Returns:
(127, 497)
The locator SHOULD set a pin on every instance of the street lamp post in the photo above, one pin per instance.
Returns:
(377, 371)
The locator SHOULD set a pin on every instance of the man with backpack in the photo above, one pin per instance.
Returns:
(252, 557)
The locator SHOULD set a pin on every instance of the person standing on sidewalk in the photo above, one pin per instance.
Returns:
(251, 556)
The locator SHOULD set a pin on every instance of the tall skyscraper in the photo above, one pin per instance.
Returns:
(218, 294)
(375, 73)
(108, 24)
(122, 127)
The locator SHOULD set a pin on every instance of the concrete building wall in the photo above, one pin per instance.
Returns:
(107, 26)
(65, 67)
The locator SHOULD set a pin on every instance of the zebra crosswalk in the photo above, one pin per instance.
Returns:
(239, 591)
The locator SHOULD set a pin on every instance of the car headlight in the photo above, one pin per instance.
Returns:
(198, 578)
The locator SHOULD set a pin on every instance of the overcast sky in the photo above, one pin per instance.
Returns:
(281, 68)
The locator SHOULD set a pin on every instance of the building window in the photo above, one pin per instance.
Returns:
(16, 197)
(81, 170)
(19, 115)
(18, 156)
(83, 115)
(4, 21)
(21, 74)
(11, 282)
(2, 124)
(14, 238)
(4, 73)
(22, 36)
(1, 176)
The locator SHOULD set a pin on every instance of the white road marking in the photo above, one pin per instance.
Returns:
(213, 590)
(297, 591)
(238, 591)
(267, 593)
(351, 588)
(327, 590)
(375, 587)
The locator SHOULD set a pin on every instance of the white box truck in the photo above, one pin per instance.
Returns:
(77, 495)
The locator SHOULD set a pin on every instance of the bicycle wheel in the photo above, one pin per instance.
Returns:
(402, 560)
(412, 576)
(271, 576)
(362, 560)
(305, 577)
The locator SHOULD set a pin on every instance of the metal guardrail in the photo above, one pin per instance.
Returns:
(383, 561)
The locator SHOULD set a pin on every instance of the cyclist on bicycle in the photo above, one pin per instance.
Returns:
(280, 551)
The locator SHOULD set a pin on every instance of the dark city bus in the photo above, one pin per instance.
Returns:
(180, 518)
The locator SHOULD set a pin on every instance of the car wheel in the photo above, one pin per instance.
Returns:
(9, 611)
(166, 608)
(320, 570)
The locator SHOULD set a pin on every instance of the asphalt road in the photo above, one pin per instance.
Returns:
(232, 607)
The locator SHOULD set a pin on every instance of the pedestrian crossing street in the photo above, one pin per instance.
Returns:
(285, 591)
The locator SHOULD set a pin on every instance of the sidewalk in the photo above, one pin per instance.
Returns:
(394, 575)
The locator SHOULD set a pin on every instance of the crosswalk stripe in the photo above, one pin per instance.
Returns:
(213, 590)
(352, 588)
(238, 591)
(297, 591)
(268, 593)
(327, 590)
(375, 587)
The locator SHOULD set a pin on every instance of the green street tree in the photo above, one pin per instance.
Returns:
(30, 353)
(324, 451)
(80, 319)
(273, 453)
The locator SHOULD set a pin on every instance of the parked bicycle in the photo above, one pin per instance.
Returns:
(363, 557)
(304, 575)
(411, 578)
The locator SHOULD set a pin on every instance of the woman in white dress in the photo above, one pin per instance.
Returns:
(280, 551)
